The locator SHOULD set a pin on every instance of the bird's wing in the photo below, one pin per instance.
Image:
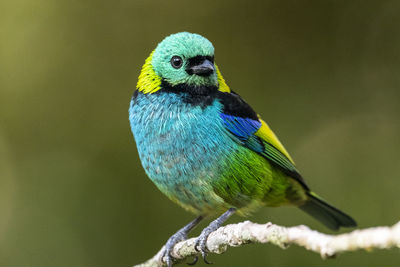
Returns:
(252, 132)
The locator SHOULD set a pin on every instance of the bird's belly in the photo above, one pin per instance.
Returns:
(184, 168)
(190, 156)
(183, 150)
(173, 158)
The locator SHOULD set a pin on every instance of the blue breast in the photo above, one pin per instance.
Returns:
(182, 146)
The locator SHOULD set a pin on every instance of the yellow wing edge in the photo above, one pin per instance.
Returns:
(268, 135)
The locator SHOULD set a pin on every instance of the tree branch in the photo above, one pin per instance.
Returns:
(327, 246)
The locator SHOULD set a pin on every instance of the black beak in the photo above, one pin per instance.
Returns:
(205, 68)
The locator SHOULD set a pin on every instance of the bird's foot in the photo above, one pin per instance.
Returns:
(201, 241)
(169, 246)
(179, 236)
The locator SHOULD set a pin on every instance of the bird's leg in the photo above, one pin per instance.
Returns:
(214, 225)
(177, 237)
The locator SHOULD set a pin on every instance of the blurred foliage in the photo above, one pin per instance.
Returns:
(324, 74)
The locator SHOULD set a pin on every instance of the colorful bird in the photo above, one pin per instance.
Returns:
(206, 149)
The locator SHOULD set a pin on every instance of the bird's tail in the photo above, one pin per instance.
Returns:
(325, 213)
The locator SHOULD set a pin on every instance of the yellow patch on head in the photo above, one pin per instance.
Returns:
(223, 87)
(149, 82)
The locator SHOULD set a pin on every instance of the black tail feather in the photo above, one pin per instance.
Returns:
(326, 214)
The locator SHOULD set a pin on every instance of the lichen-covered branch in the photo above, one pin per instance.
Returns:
(234, 235)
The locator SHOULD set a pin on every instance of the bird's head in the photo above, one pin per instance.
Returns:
(181, 59)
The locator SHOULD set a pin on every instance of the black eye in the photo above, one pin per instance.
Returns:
(176, 62)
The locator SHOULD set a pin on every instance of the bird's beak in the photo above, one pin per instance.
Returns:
(204, 69)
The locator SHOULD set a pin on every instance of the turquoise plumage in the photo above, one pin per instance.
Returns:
(205, 148)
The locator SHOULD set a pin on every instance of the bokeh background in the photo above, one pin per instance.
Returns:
(324, 74)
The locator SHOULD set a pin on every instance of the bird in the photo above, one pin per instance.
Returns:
(205, 147)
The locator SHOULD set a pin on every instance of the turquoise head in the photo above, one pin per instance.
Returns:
(185, 58)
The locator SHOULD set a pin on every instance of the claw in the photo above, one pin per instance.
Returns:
(177, 237)
(194, 261)
(167, 258)
(201, 241)
(200, 246)
(197, 245)
(204, 255)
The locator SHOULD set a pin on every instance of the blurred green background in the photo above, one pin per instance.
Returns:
(324, 74)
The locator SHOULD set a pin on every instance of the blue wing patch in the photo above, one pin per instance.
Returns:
(242, 128)
(245, 128)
